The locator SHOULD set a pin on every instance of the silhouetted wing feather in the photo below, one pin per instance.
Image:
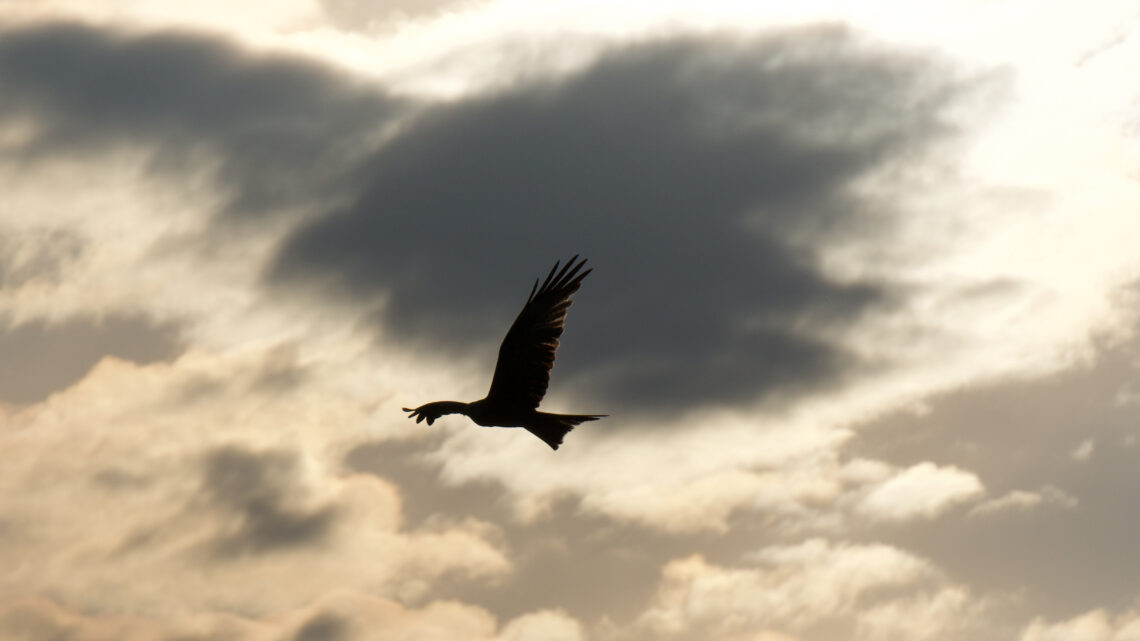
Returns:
(527, 353)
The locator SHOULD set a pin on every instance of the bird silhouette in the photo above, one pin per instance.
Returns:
(522, 372)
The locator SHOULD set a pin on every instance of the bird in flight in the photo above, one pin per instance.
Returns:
(522, 372)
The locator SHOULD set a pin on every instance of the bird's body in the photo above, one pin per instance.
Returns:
(522, 372)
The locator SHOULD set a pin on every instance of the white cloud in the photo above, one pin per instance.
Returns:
(930, 615)
(683, 480)
(1024, 500)
(1084, 451)
(112, 496)
(924, 490)
(877, 590)
(1095, 625)
(336, 614)
(549, 625)
(863, 471)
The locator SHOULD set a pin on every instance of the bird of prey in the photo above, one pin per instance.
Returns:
(523, 369)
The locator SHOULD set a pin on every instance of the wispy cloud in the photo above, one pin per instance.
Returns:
(1018, 500)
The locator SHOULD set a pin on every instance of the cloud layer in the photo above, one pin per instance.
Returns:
(857, 316)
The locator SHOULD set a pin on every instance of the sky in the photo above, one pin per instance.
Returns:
(864, 319)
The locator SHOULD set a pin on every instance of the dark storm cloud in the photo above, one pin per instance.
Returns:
(1020, 435)
(284, 129)
(39, 358)
(701, 177)
(258, 494)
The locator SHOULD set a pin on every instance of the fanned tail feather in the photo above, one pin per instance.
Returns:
(551, 428)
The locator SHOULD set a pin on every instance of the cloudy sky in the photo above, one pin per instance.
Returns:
(863, 315)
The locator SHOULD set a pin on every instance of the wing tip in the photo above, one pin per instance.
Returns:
(568, 277)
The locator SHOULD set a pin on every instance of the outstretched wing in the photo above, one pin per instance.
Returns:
(527, 353)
